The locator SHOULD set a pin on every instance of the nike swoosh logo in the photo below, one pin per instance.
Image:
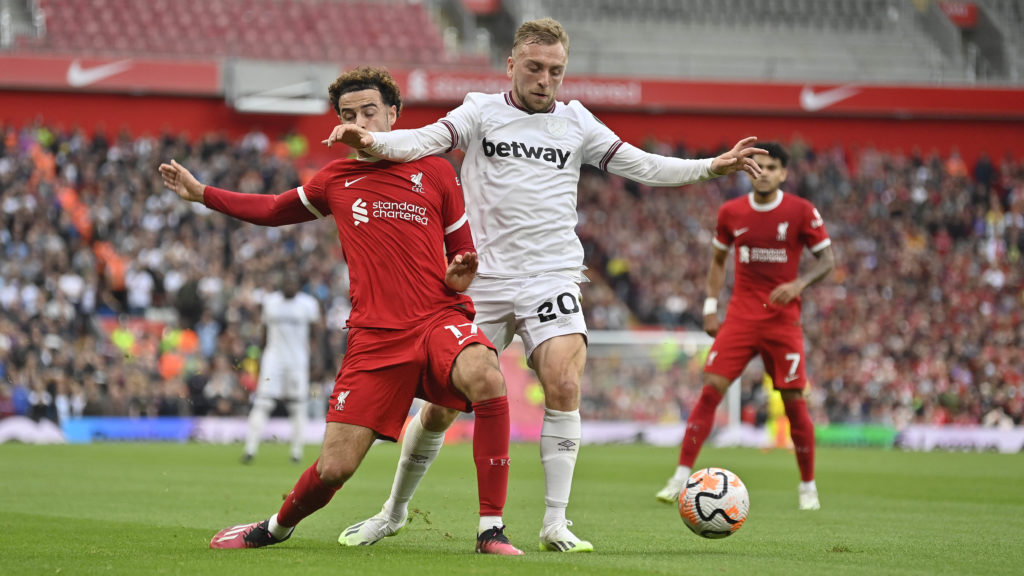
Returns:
(812, 101)
(348, 183)
(740, 232)
(79, 77)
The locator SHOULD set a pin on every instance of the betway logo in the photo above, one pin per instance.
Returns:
(520, 150)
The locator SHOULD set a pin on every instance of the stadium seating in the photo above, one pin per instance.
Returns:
(817, 40)
(390, 32)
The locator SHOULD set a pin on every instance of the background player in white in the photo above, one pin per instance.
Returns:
(291, 325)
(524, 150)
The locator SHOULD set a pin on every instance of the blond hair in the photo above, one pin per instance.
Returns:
(544, 31)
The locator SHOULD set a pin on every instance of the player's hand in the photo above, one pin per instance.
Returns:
(712, 324)
(461, 271)
(785, 293)
(350, 134)
(180, 180)
(739, 158)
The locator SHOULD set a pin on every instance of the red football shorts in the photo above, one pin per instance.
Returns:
(781, 347)
(384, 370)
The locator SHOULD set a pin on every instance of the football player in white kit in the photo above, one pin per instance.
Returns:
(291, 321)
(524, 150)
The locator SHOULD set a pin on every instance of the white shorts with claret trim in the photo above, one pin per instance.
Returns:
(537, 308)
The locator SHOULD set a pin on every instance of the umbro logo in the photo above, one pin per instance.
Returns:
(359, 213)
(567, 446)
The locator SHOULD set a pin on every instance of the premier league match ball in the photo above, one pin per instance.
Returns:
(714, 503)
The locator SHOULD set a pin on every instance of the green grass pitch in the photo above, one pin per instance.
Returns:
(152, 509)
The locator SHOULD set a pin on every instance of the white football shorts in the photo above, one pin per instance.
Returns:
(537, 308)
(283, 380)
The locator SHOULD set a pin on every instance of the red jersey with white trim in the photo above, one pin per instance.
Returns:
(392, 220)
(768, 240)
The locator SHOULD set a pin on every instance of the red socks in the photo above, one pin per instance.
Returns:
(699, 425)
(490, 452)
(801, 429)
(308, 496)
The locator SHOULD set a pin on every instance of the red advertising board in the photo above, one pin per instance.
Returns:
(447, 88)
(633, 94)
(125, 75)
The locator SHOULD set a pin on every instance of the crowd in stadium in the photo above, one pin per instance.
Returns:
(117, 298)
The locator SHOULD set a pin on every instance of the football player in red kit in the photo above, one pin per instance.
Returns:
(410, 255)
(768, 231)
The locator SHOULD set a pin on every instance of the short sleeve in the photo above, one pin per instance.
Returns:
(814, 233)
(314, 192)
(723, 230)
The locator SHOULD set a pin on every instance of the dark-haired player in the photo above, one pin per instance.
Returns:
(410, 255)
(768, 231)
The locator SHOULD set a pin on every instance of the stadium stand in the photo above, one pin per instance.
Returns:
(741, 39)
(922, 322)
(104, 309)
(389, 32)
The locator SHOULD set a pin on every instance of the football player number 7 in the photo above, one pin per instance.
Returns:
(794, 363)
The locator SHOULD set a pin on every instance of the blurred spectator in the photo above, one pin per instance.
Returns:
(921, 322)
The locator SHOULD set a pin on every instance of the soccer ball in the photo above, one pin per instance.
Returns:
(714, 503)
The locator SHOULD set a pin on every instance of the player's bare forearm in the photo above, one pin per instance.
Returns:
(823, 265)
(461, 271)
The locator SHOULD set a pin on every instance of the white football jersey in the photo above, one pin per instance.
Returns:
(288, 322)
(521, 172)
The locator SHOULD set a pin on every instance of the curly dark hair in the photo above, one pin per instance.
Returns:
(365, 78)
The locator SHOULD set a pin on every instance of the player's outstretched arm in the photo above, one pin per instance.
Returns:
(739, 158)
(461, 271)
(177, 178)
(351, 135)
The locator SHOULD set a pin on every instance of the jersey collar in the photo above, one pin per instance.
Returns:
(512, 102)
(765, 207)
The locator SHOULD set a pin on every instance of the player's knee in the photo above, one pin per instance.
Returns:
(790, 395)
(719, 382)
(335, 472)
(561, 393)
(437, 418)
(487, 383)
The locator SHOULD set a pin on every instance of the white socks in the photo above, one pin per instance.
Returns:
(682, 473)
(809, 486)
(488, 522)
(419, 449)
(559, 446)
(278, 531)
(258, 416)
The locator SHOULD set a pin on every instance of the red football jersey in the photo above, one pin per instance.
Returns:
(768, 242)
(392, 220)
